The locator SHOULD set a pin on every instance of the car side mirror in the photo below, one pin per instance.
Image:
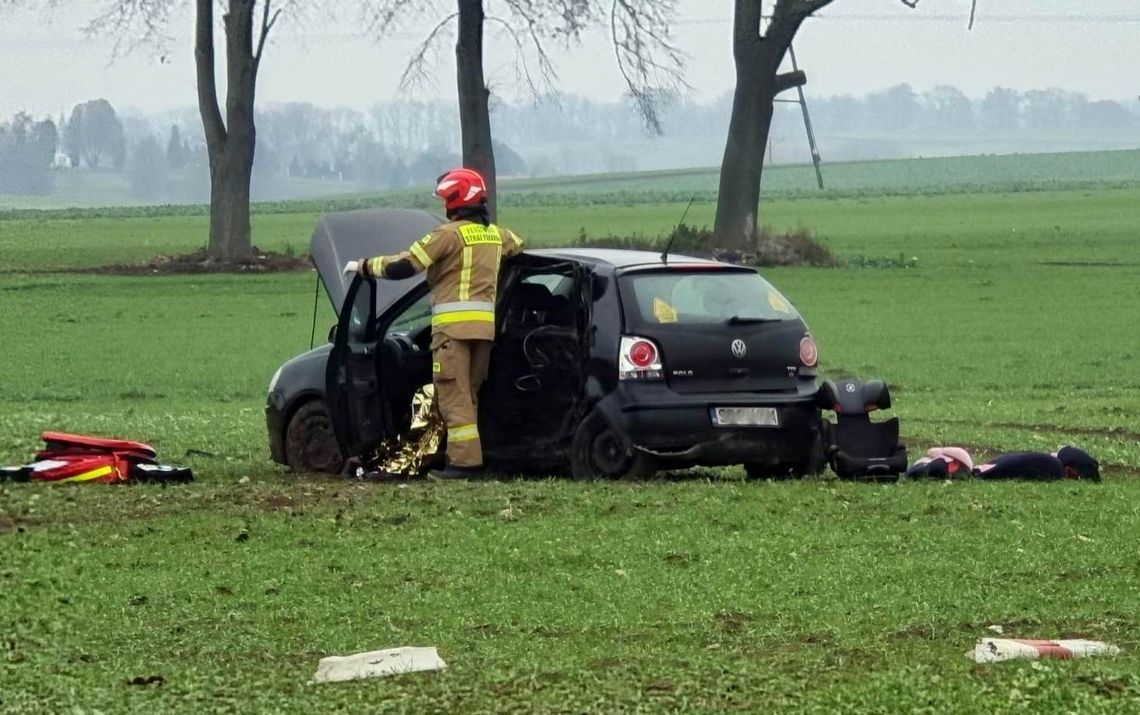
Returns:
(332, 334)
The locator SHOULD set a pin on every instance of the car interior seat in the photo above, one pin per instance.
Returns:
(532, 305)
(536, 367)
(856, 447)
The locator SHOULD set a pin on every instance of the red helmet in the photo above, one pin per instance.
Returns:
(461, 187)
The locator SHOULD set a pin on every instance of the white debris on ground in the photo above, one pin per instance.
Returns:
(996, 650)
(377, 664)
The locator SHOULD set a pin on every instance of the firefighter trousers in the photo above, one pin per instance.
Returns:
(459, 368)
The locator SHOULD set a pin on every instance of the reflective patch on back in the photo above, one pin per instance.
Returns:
(465, 273)
(474, 234)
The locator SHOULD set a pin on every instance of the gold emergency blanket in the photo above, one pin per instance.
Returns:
(410, 454)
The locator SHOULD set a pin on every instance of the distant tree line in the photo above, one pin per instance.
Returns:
(303, 148)
(27, 152)
(94, 135)
(948, 109)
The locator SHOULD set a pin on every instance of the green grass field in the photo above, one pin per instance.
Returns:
(706, 593)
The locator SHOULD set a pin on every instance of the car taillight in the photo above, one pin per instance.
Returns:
(642, 354)
(639, 359)
(809, 353)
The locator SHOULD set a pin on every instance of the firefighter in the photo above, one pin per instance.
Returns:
(462, 259)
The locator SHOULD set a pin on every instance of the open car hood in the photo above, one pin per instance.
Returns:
(349, 235)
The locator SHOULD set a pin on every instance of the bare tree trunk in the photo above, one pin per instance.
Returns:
(757, 84)
(474, 112)
(230, 144)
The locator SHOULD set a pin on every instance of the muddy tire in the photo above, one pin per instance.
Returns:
(310, 444)
(600, 452)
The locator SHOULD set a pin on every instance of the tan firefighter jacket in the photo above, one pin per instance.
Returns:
(462, 260)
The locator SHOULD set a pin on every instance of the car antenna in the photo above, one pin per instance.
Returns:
(316, 299)
(665, 253)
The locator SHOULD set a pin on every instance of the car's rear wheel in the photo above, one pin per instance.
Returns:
(310, 443)
(598, 451)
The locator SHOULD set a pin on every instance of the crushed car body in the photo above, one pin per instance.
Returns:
(614, 363)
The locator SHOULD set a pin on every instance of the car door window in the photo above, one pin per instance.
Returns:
(413, 320)
(541, 298)
(361, 327)
(556, 283)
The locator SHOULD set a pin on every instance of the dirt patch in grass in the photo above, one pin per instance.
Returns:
(1110, 687)
(1111, 432)
(922, 631)
(304, 493)
(732, 621)
(1090, 264)
(678, 558)
(200, 262)
(8, 523)
(273, 502)
(818, 638)
(1128, 470)
(794, 248)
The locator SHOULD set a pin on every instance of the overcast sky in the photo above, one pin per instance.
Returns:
(47, 63)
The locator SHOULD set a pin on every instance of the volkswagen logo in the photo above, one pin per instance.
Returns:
(739, 349)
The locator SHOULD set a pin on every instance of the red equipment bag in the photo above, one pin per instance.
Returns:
(77, 468)
(76, 458)
(57, 443)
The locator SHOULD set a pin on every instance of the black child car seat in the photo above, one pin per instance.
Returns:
(857, 447)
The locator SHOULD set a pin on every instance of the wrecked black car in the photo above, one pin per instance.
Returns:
(614, 363)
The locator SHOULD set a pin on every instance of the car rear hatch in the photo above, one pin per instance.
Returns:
(350, 235)
(719, 328)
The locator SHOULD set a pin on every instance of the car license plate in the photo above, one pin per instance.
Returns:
(745, 417)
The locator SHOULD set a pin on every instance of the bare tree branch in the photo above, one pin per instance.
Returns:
(973, 9)
(787, 17)
(380, 16)
(268, 20)
(810, 6)
(649, 61)
(789, 80)
(133, 24)
(416, 71)
(522, 67)
(640, 33)
(547, 74)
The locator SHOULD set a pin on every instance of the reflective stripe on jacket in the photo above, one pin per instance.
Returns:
(462, 261)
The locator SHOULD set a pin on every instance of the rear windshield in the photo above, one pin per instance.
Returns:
(704, 297)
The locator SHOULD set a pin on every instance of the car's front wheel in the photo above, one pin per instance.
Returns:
(601, 452)
(310, 443)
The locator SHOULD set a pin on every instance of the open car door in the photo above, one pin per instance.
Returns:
(353, 387)
(531, 399)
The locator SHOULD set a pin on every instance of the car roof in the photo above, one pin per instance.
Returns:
(619, 259)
